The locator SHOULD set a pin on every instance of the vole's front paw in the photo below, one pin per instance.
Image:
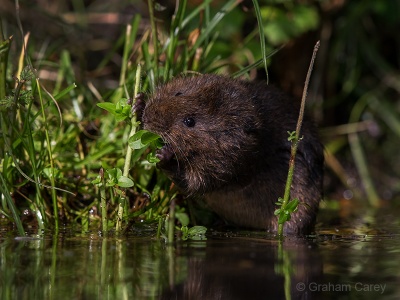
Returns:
(139, 105)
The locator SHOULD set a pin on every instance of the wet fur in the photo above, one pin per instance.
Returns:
(236, 155)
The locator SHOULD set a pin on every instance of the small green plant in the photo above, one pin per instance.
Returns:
(120, 110)
(192, 233)
(143, 139)
(115, 179)
(284, 213)
(177, 213)
(19, 96)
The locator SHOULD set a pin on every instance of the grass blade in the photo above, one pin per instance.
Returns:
(6, 194)
(213, 23)
(262, 36)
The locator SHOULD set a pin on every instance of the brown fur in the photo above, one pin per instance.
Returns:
(236, 155)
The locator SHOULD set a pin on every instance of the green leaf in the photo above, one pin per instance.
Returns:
(123, 114)
(114, 173)
(150, 137)
(292, 205)
(108, 106)
(143, 138)
(182, 217)
(283, 218)
(125, 182)
(158, 143)
(49, 173)
(135, 141)
(151, 158)
(197, 233)
(113, 176)
(26, 74)
(121, 110)
(292, 135)
(97, 181)
(184, 230)
(66, 91)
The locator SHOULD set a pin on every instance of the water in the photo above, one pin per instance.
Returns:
(339, 262)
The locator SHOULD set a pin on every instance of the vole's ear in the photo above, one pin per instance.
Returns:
(212, 99)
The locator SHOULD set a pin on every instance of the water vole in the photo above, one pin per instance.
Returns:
(226, 141)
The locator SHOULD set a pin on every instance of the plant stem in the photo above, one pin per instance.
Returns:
(296, 140)
(49, 150)
(362, 167)
(4, 47)
(128, 156)
(133, 123)
(285, 269)
(357, 149)
(155, 37)
(160, 222)
(171, 222)
(103, 202)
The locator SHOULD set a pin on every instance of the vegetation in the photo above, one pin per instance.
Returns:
(51, 159)
(65, 161)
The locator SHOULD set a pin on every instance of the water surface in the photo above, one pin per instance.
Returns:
(360, 260)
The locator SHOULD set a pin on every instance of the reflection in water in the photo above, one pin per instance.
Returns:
(82, 268)
(90, 267)
(248, 269)
(329, 266)
(131, 268)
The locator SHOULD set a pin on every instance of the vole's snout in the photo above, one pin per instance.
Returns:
(165, 153)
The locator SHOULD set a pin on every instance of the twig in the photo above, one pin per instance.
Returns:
(296, 139)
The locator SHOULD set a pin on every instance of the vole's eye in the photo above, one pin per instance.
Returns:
(178, 94)
(189, 122)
